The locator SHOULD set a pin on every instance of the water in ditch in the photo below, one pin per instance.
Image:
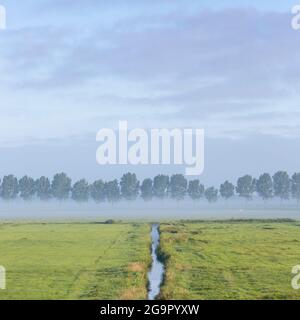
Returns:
(156, 274)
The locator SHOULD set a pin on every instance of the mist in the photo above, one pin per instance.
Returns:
(155, 210)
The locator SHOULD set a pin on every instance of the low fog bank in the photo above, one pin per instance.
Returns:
(157, 210)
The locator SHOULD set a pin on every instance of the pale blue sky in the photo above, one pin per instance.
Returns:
(69, 68)
(61, 12)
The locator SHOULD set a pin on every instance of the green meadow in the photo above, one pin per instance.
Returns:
(230, 260)
(75, 260)
(97, 261)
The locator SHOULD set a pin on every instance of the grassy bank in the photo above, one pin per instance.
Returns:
(230, 260)
(75, 261)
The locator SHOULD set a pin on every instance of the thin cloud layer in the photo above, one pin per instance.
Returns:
(231, 71)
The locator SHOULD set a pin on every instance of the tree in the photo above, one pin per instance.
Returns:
(227, 190)
(10, 187)
(264, 186)
(160, 186)
(97, 191)
(245, 187)
(43, 188)
(26, 188)
(178, 187)
(112, 191)
(296, 186)
(282, 186)
(80, 191)
(129, 186)
(147, 189)
(211, 194)
(195, 190)
(61, 186)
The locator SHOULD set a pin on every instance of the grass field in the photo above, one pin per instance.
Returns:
(75, 261)
(204, 260)
(230, 260)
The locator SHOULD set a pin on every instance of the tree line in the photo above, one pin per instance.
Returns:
(176, 187)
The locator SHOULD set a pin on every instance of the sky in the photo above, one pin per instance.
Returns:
(69, 68)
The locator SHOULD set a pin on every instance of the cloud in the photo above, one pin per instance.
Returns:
(232, 71)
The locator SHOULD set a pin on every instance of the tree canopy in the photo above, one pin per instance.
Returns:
(176, 187)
